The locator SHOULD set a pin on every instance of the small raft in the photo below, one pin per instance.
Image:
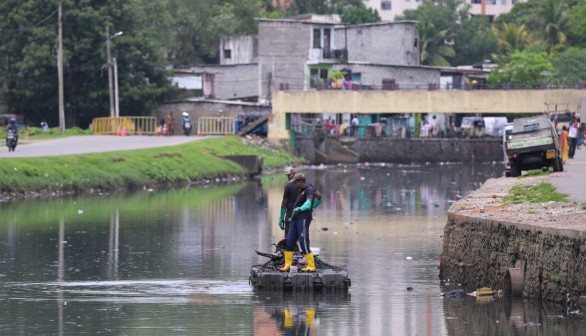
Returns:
(267, 277)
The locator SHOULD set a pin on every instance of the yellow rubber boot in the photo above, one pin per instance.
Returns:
(288, 323)
(288, 261)
(310, 263)
(309, 317)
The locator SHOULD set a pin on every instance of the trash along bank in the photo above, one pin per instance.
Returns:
(534, 250)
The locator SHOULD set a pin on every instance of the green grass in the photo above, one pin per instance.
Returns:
(540, 193)
(532, 212)
(130, 169)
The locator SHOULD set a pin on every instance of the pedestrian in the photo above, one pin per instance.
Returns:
(162, 127)
(354, 125)
(573, 138)
(300, 220)
(580, 138)
(288, 203)
(564, 143)
(171, 123)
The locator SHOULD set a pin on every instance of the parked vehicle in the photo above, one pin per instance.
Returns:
(186, 122)
(533, 144)
(507, 130)
(472, 127)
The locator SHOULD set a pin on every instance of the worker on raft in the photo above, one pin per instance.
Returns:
(288, 203)
(300, 221)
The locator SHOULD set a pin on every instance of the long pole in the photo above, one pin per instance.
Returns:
(116, 102)
(60, 72)
(110, 85)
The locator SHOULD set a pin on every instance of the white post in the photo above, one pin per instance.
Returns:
(110, 84)
(116, 102)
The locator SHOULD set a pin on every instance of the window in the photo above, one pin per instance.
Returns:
(514, 2)
(227, 53)
(385, 5)
(503, 2)
(317, 38)
(476, 1)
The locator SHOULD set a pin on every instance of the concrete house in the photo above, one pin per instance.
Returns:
(302, 52)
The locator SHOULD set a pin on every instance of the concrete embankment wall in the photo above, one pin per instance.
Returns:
(407, 150)
(478, 252)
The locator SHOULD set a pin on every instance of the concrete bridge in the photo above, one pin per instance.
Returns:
(452, 101)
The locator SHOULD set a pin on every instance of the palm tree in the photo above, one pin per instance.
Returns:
(434, 48)
(511, 37)
(554, 19)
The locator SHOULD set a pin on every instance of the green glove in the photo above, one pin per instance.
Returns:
(316, 202)
(282, 218)
(306, 206)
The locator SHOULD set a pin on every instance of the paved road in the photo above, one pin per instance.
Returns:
(572, 180)
(92, 144)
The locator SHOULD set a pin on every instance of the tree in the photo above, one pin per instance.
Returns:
(434, 49)
(29, 72)
(465, 35)
(570, 66)
(523, 69)
(355, 12)
(554, 19)
(577, 24)
(511, 37)
(473, 41)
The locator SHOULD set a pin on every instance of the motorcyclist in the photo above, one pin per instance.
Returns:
(186, 122)
(12, 128)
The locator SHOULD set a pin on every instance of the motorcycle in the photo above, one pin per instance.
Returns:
(187, 127)
(10, 140)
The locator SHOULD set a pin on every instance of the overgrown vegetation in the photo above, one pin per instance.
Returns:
(539, 193)
(130, 169)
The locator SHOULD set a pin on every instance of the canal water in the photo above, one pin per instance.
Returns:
(177, 262)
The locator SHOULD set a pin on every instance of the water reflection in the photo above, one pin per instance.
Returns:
(177, 262)
(293, 313)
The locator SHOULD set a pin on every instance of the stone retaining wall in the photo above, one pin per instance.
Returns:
(478, 251)
(408, 150)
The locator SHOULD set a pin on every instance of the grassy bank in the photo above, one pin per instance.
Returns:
(130, 169)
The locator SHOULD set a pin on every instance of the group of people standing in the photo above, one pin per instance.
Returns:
(572, 138)
(167, 125)
(299, 200)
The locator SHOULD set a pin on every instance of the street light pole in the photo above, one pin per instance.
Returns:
(116, 101)
(111, 64)
(60, 72)
(110, 85)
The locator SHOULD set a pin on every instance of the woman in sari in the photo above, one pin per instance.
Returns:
(564, 144)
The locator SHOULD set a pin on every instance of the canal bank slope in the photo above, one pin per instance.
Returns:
(534, 250)
(104, 169)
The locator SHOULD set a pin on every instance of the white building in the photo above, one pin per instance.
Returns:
(389, 9)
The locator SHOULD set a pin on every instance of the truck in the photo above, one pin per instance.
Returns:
(533, 144)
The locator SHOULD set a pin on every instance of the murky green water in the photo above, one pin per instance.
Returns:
(177, 262)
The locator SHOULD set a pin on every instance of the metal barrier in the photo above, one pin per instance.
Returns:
(215, 126)
(125, 125)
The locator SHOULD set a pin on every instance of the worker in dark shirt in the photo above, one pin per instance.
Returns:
(289, 198)
(299, 227)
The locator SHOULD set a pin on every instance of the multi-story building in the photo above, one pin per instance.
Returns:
(390, 9)
(305, 51)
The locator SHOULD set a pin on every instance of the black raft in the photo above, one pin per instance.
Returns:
(267, 277)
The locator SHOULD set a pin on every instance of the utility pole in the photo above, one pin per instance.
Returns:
(110, 85)
(60, 71)
(116, 102)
